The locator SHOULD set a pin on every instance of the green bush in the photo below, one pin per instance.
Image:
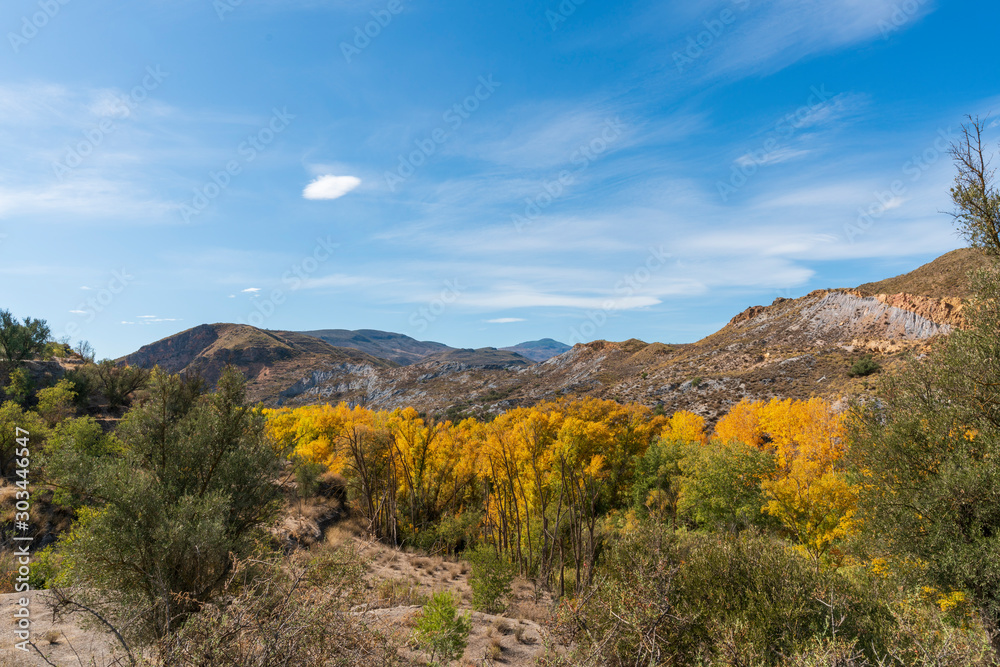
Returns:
(19, 387)
(57, 403)
(746, 599)
(441, 631)
(490, 579)
(863, 367)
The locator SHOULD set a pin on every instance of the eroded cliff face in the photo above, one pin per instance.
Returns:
(943, 311)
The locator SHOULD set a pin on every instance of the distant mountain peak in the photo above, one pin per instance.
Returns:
(539, 350)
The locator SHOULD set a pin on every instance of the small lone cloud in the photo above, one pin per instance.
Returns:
(250, 290)
(78, 312)
(506, 320)
(330, 187)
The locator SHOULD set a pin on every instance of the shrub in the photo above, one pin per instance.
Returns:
(863, 367)
(490, 580)
(57, 403)
(441, 631)
(710, 599)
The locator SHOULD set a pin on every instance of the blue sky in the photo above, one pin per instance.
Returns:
(472, 173)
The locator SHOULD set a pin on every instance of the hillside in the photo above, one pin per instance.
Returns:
(269, 359)
(538, 350)
(383, 344)
(792, 348)
(942, 278)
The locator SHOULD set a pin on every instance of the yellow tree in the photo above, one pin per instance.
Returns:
(742, 423)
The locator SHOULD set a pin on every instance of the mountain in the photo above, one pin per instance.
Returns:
(539, 350)
(269, 359)
(392, 346)
(793, 348)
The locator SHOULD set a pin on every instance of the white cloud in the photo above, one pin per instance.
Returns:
(250, 290)
(78, 312)
(330, 187)
(506, 320)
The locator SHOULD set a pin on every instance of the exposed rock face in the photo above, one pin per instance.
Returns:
(945, 310)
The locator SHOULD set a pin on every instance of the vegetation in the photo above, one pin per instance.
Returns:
(863, 367)
(441, 631)
(791, 534)
(167, 512)
(20, 341)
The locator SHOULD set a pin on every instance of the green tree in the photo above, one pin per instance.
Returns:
(19, 386)
(20, 341)
(657, 480)
(118, 382)
(928, 450)
(491, 579)
(12, 417)
(441, 631)
(721, 484)
(167, 515)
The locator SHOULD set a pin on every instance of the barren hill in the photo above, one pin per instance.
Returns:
(792, 348)
(269, 359)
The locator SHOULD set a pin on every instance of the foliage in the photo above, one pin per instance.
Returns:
(307, 474)
(721, 487)
(19, 386)
(656, 487)
(863, 367)
(928, 453)
(57, 403)
(84, 379)
(669, 598)
(490, 579)
(117, 383)
(12, 417)
(24, 340)
(441, 631)
(191, 483)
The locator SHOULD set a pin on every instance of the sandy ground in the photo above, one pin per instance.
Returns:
(399, 582)
(63, 641)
